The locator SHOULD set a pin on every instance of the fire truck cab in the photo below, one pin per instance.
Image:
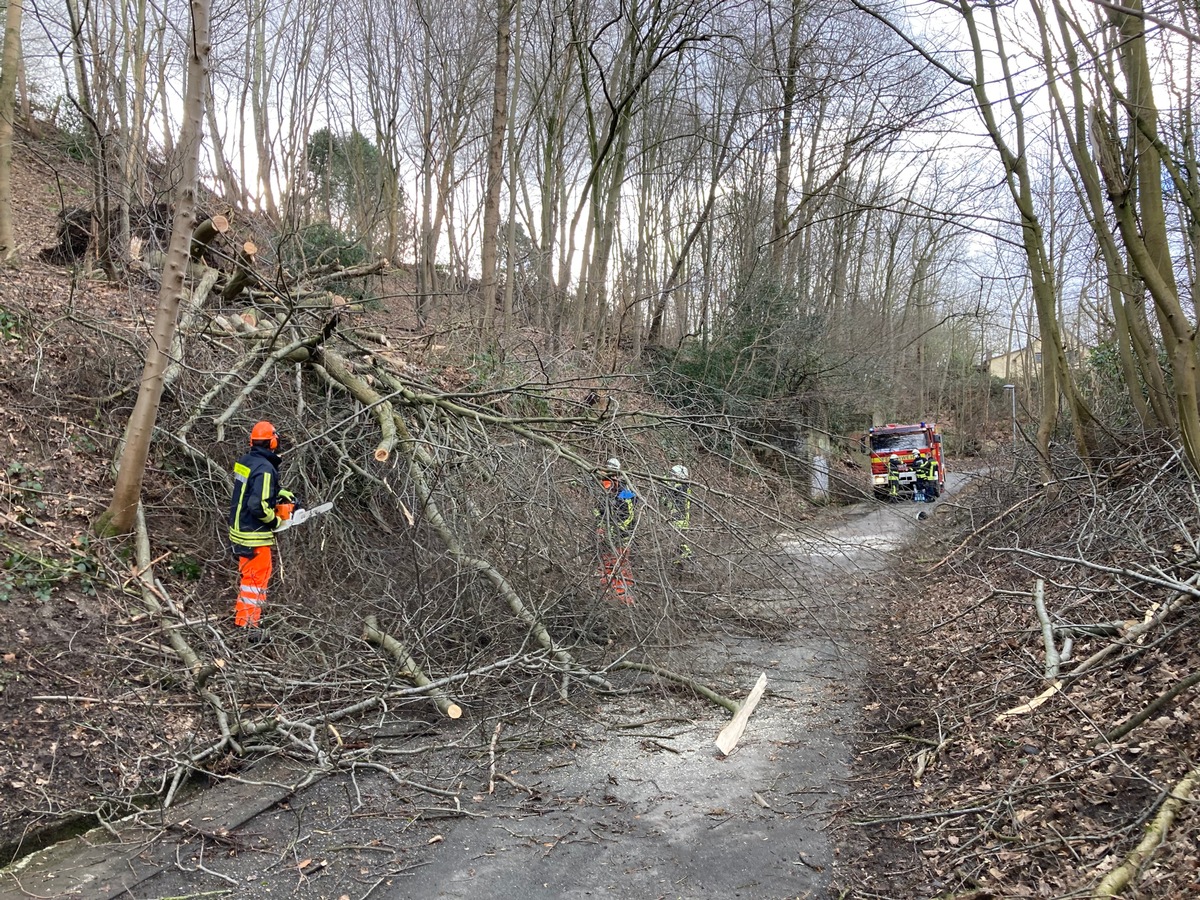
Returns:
(905, 442)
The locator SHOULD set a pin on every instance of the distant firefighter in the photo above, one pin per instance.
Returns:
(616, 519)
(679, 508)
(925, 472)
(894, 468)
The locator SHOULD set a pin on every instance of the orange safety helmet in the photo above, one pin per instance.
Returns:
(264, 431)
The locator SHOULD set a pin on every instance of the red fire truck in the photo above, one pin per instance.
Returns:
(906, 442)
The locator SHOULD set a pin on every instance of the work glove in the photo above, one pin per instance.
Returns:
(285, 505)
(286, 496)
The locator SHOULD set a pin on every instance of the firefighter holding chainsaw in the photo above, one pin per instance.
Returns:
(258, 508)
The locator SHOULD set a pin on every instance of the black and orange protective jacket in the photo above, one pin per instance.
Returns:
(926, 468)
(252, 519)
(615, 510)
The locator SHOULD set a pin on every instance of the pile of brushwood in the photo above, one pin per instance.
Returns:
(457, 571)
(1033, 727)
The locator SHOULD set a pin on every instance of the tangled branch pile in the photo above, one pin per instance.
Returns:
(458, 570)
(1041, 739)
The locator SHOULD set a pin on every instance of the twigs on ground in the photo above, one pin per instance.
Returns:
(408, 667)
(699, 688)
(1024, 501)
(1044, 806)
(1151, 708)
(1115, 882)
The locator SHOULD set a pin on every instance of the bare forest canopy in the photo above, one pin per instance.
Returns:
(821, 202)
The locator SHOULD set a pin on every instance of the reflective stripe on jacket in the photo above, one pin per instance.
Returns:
(252, 519)
(616, 508)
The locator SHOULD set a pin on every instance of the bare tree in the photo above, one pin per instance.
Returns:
(8, 89)
(495, 166)
(119, 517)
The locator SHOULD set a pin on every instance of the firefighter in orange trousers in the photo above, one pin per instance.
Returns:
(616, 517)
(258, 507)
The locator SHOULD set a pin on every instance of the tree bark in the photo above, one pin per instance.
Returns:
(495, 171)
(8, 91)
(119, 517)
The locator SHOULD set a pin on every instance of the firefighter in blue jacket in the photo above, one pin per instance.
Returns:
(257, 508)
(615, 513)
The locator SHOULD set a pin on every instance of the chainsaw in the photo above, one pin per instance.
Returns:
(300, 516)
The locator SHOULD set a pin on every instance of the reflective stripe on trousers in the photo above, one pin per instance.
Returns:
(617, 574)
(256, 574)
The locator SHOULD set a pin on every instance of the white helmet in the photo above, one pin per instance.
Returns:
(679, 472)
(613, 464)
(894, 456)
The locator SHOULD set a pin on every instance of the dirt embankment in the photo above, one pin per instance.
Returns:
(986, 772)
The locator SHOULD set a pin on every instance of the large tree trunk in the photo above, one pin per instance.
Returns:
(119, 517)
(495, 164)
(783, 163)
(1150, 248)
(8, 92)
